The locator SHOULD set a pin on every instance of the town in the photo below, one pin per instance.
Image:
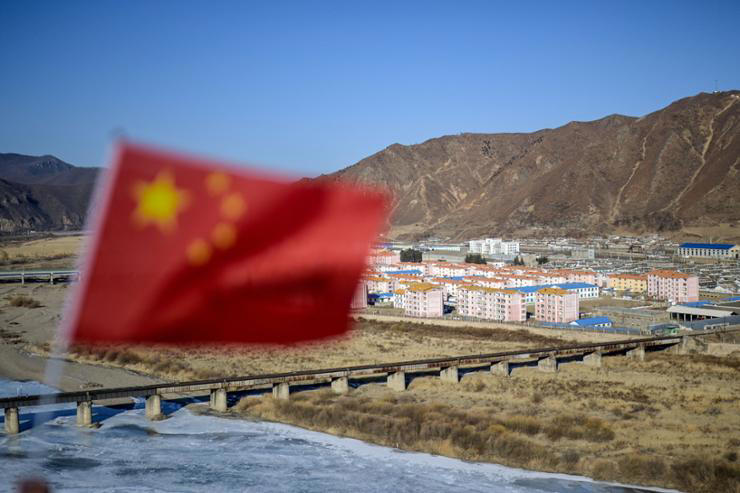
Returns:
(640, 286)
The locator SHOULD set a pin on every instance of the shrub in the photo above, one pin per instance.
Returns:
(24, 301)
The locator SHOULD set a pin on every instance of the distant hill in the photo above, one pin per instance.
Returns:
(676, 167)
(43, 193)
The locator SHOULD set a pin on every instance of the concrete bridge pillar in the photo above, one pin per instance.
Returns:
(218, 400)
(549, 364)
(12, 424)
(51, 278)
(154, 406)
(84, 413)
(281, 391)
(501, 368)
(450, 374)
(340, 385)
(637, 353)
(397, 380)
(593, 359)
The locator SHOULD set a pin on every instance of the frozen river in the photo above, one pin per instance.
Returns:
(186, 452)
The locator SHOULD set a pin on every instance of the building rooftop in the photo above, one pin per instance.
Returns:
(711, 246)
(586, 322)
(553, 291)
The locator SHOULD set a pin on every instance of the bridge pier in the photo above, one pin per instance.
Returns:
(501, 368)
(593, 359)
(51, 278)
(637, 353)
(218, 400)
(281, 391)
(12, 424)
(84, 413)
(154, 406)
(449, 374)
(340, 385)
(548, 365)
(397, 380)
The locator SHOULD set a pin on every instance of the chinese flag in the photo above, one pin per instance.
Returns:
(188, 251)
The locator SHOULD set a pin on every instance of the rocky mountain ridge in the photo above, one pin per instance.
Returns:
(43, 193)
(676, 167)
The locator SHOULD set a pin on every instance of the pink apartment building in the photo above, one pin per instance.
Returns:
(672, 286)
(491, 304)
(556, 305)
(359, 300)
(384, 257)
(423, 300)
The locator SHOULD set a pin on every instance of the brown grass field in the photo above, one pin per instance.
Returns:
(671, 421)
(54, 252)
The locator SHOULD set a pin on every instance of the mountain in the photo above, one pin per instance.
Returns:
(43, 193)
(672, 169)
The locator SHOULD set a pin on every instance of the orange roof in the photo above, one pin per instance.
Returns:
(422, 286)
(553, 291)
(377, 279)
(669, 274)
(638, 277)
(490, 290)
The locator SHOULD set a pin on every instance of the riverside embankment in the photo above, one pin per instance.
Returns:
(670, 420)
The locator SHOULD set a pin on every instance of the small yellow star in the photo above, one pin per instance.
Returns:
(159, 202)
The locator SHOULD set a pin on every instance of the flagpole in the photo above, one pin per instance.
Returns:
(54, 367)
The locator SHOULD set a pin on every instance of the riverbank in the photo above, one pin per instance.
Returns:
(670, 421)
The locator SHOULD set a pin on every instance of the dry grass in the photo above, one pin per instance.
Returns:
(661, 422)
(23, 301)
(369, 342)
(56, 251)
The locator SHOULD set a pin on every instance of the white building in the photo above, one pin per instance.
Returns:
(709, 250)
(494, 246)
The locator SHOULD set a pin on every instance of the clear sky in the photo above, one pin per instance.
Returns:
(312, 87)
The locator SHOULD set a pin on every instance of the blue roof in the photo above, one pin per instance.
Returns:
(380, 295)
(712, 246)
(407, 271)
(455, 278)
(732, 298)
(565, 285)
(586, 322)
(696, 303)
(575, 285)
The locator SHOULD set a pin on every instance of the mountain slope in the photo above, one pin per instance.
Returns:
(41, 193)
(675, 167)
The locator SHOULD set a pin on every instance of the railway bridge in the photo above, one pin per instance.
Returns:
(450, 369)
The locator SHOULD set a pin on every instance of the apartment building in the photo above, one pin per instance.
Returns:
(491, 304)
(423, 300)
(672, 286)
(635, 283)
(556, 305)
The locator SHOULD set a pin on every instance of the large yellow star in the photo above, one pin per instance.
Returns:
(159, 202)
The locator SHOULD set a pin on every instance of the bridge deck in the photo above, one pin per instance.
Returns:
(360, 371)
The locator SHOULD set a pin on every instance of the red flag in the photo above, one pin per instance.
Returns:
(188, 251)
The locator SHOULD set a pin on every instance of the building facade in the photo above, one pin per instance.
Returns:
(503, 305)
(635, 283)
(556, 305)
(423, 300)
(709, 250)
(672, 286)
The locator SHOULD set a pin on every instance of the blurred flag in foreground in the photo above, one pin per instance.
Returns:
(188, 251)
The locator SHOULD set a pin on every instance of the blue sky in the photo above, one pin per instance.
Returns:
(311, 87)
